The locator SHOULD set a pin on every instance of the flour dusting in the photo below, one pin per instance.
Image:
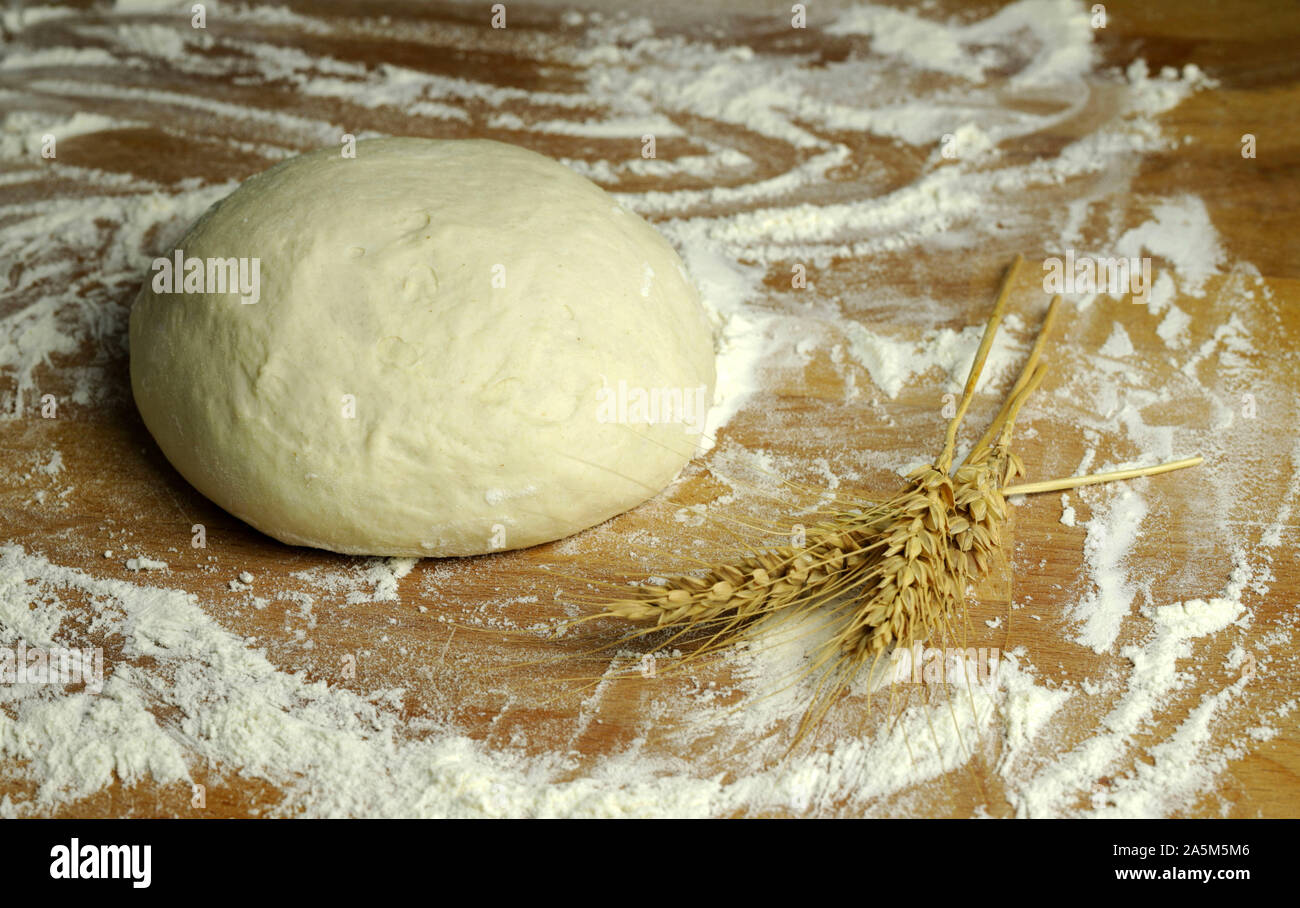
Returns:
(804, 200)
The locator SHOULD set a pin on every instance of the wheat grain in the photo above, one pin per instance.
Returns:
(889, 575)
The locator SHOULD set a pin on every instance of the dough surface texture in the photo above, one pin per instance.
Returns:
(457, 346)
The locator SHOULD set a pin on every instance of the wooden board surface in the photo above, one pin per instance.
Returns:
(444, 640)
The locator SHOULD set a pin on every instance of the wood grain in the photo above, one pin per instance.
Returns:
(452, 662)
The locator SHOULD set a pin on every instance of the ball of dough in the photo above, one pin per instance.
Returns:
(453, 347)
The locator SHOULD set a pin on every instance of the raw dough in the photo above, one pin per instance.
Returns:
(382, 396)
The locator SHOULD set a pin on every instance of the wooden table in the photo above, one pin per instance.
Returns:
(446, 639)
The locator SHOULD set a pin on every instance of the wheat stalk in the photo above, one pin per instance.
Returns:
(730, 597)
(939, 540)
(889, 575)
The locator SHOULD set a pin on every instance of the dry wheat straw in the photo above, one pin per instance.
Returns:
(889, 575)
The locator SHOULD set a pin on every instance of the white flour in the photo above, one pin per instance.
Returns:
(1111, 535)
(207, 697)
(1156, 673)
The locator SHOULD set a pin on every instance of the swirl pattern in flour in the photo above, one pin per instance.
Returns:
(901, 160)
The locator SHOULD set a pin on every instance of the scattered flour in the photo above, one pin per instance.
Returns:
(1118, 344)
(372, 580)
(207, 697)
(1173, 328)
(143, 563)
(1054, 789)
(1112, 533)
(1180, 232)
(894, 363)
(1067, 511)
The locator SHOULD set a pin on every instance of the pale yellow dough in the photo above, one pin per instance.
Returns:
(474, 419)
